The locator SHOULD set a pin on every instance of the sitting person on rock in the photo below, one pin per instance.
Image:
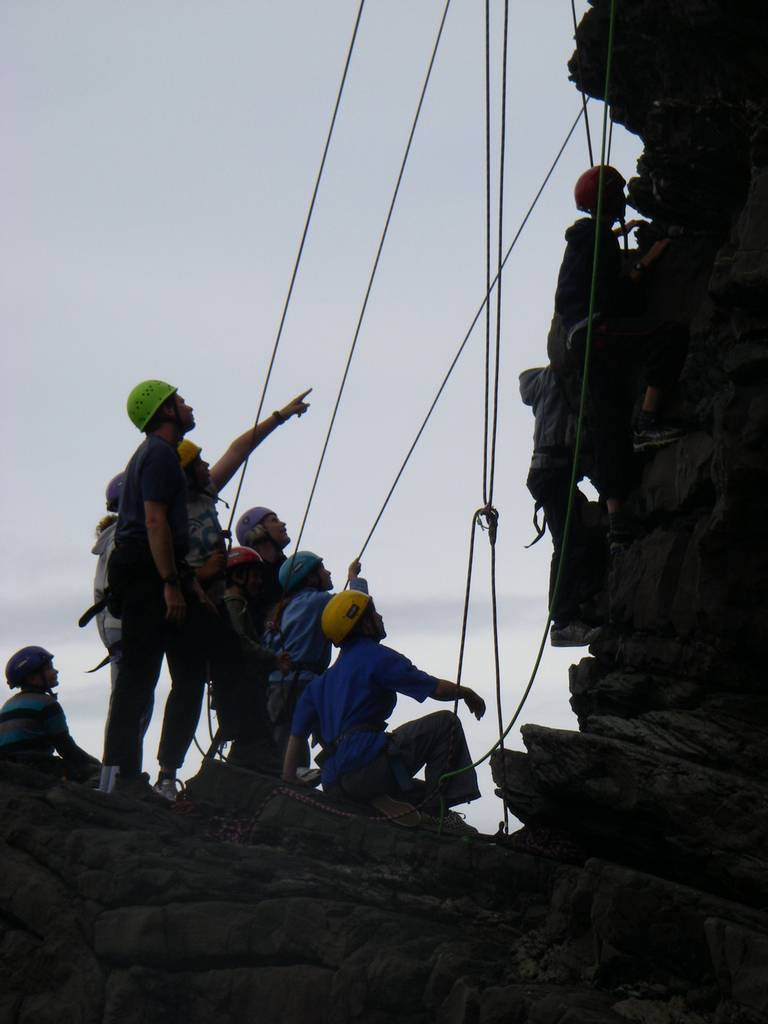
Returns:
(32, 724)
(347, 709)
(240, 684)
(549, 481)
(621, 342)
(295, 628)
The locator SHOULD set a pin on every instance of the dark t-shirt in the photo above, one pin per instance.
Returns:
(575, 278)
(154, 474)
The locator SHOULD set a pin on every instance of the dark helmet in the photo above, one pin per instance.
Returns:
(114, 487)
(585, 192)
(25, 663)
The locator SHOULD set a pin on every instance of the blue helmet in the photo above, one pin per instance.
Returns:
(248, 520)
(25, 663)
(295, 569)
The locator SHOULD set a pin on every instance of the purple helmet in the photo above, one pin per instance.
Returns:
(248, 520)
(25, 663)
(114, 487)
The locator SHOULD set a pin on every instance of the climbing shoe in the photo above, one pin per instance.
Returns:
(572, 634)
(651, 432)
(168, 787)
(453, 824)
(138, 788)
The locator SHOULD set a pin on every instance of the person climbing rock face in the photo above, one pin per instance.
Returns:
(347, 709)
(549, 481)
(620, 341)
(33, 728)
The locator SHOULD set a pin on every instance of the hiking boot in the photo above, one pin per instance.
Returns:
(651, 432)
(168, 787)
(572, 634)
(453, 824)
(138, 788)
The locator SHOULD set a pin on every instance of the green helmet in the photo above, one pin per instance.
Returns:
(145, 399)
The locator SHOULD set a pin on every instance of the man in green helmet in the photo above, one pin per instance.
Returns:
(154, 592)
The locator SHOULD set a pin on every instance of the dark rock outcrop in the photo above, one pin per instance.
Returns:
(251, 901)
(667, 772)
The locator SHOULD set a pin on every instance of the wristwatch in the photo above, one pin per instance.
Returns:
(172, 580)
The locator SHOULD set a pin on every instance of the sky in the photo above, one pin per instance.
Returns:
(160, 161)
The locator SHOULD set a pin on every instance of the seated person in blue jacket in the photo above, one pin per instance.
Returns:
(347, 709)
(32, 723)
(295, 630)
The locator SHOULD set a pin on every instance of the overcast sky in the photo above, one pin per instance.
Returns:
(160, 158)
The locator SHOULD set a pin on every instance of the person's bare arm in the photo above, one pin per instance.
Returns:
(446, 690)
(161, 545)
(291, 759)
(233, 458)
(654, 253)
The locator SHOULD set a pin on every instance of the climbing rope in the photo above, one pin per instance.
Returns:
(491, 514)
(580, 421)
(296, 264)
(374, 269)
(465, 340)
(581, 86)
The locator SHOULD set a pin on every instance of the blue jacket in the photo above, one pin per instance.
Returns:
(300, 633)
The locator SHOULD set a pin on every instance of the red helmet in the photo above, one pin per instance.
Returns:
(239, 557)
(585, 192)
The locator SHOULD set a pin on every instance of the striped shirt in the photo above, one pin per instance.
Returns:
(30, 721)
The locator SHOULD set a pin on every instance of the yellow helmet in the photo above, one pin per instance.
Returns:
(188, 451)
(342, 614)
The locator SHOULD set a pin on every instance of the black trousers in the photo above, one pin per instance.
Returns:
(436, 743)
(619, 351)
(240, 701)
(584, 553)
(147, 636)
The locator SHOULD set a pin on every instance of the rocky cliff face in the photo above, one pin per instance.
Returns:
(667, 772)
(637, 891)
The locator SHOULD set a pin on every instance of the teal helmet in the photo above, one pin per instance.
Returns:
(295, 569)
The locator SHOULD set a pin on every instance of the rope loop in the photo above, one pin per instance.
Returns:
(487, 519)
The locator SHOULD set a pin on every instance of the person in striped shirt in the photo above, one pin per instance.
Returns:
(33, 728)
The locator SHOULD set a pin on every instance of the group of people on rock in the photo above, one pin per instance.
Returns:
(258, 626)
(635, 360)
(254, 625)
